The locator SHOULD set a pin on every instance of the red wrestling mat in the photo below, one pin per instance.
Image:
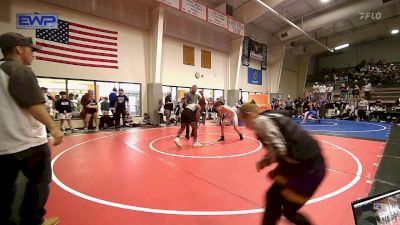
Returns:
(141, 177)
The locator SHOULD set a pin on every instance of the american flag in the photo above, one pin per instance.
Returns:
(78, 44)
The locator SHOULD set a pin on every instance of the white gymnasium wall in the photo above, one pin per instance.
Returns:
(276, 53)
(289, 81)
(235, 62)
(174, 72)
(244, 85)
(133, 45)
(288, 84)
(313, 66)
(303, 62)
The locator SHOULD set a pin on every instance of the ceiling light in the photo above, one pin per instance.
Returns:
(341, 46)
(394, 31)
(324, 1)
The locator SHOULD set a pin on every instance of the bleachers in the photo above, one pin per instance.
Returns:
(387, 95)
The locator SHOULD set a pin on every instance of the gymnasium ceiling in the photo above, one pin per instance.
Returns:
(331, 23)
(342, 25)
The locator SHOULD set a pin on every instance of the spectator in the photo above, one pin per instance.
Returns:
(378, 102)
(362, 109)
(358, 68)
(377, 112)
(146, 119)
(289, 105)
(121, 108)
(343, 92)
(306, 93)
(349, 111)
(356, 91)
(281, 104)
(112, 97)
(105, 106)
(322, 102)
(84, 101)
(335, 78)
(322, 90)
(129, 120)
(49, 101)
(63, 106)
(105, 120)
(329, 91)
(101, 100)
(349, 91)
(274, 103)
(91, 109)
(367, 89)
(76, 101)
(241, 101)
(298, 104)
(24, 146)
(168, 107)
(73, 103)
(335, 114)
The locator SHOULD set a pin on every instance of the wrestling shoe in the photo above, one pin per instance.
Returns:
(176, 141)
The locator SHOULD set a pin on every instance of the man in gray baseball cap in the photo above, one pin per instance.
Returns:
(11, 39)
(23, 128)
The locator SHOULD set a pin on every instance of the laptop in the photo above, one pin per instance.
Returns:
(380, 209)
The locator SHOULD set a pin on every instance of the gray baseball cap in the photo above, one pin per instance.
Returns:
(11, 39)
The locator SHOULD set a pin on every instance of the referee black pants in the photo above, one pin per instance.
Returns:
(117, 117)
(35, 165)
(277, 205)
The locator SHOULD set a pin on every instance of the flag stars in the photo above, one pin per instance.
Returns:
(57, 35)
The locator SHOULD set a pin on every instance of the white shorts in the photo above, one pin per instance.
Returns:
(191, 107)
(65, 116)
(231, 120)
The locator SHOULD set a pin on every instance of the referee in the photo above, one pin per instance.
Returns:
(300, 165)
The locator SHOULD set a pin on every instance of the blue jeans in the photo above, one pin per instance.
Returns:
(35, 165)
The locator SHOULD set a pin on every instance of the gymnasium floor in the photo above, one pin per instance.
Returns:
(139, 176)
